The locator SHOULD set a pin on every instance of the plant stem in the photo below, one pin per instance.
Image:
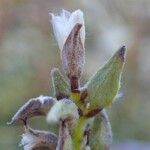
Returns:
(78, 132)
(61, 138)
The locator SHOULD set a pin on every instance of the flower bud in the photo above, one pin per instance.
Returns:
(102, 88)
(35, 139)
(69, 31)
(34, 107)
(60, 85)
(73, 54)
(64, 23)
(63, 110)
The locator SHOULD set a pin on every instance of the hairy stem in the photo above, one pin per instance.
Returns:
(61, 138)
(78, 134)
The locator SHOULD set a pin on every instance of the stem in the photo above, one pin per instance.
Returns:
(64, 139)
(61, 139)
(78, 134)
(75, 96)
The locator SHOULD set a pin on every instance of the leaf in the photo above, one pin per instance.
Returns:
(34, 107)
(60, 85)
(106, 132)
(104, 85)
(36, 139)
(101, 133)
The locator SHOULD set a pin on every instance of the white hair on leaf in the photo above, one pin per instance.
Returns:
(64, 23)
(43, 99)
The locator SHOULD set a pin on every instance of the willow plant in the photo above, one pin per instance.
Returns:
(78, 111)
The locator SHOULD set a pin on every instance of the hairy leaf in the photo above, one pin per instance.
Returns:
(38, 140)
(104, 85)
(34, 107)
(101, 133)
(60, 85)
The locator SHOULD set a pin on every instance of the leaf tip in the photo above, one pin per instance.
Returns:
(122, 53)
(54, 71)
(77, 27)
(12, 121)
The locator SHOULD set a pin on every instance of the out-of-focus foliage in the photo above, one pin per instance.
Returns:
(28, 52)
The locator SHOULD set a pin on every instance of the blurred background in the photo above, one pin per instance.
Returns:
(28, 51)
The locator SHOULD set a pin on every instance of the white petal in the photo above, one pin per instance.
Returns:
(78, 17)
(64, 23)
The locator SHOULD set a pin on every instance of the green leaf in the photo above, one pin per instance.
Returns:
(60, 85)
(101, 136)
(104, 85)
(95, 138)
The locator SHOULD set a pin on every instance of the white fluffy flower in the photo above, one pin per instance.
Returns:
(64, 23)
(63, 110)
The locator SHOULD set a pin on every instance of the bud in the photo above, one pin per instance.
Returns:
(63, 110)
(35, 139)
(102, 88)
(64, 23)
(69, 31)
(34, 107)
(73, 54)
(60, 85)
